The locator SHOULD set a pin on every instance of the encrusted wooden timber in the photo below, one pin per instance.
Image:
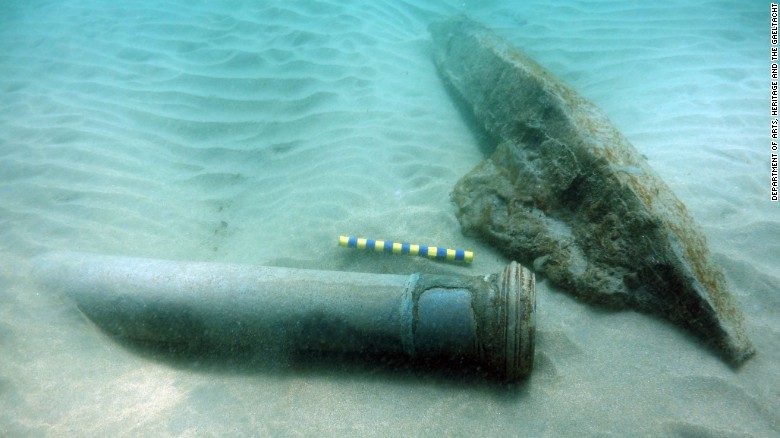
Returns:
(567, 193)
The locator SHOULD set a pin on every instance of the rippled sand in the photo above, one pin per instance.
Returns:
(257, 133)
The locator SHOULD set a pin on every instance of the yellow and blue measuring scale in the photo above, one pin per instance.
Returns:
(433, 252)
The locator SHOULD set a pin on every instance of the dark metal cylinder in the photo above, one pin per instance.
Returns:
(488, 321)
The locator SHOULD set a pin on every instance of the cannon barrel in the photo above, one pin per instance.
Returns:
(488, 321)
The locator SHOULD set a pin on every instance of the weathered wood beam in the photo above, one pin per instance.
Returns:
(566, 193)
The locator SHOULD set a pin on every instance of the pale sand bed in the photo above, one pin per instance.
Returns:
(259, 134)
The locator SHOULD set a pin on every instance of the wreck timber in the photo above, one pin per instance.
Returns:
(567, 193)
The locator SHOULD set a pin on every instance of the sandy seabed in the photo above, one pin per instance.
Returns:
(257, 132)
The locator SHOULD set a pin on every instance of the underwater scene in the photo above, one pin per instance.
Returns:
(389, 218)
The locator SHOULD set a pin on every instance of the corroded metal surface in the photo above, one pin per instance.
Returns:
(485, 321)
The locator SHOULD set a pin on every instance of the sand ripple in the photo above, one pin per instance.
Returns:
(258, 132)
(151, 124)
